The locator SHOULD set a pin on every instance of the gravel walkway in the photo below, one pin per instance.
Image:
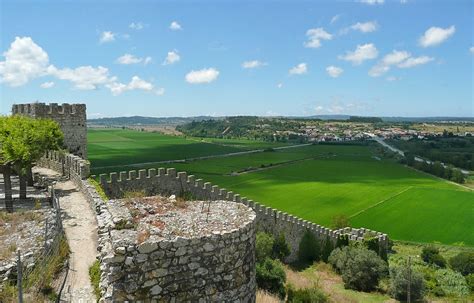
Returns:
(80, 226)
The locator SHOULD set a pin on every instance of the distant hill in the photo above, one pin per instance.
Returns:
(140, 120)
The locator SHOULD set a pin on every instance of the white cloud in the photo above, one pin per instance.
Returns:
(280, 85)
(24, 60)
(401, 59)
(300, 69)
(403, 1)
(361, 53)
(335, 18)
(315, 35)
(47, 84)
(136, 25)
(83, 77)
(175, 26)
(107, 36)
(365, 27)
(253, 64)
(171, 57)
(128, 59)
(412, 62)
(471, 49)
(131, 59)
(160, 91)
(436, 35)
(334, 71)
(372, 2)
(206, 75)
(136, 83)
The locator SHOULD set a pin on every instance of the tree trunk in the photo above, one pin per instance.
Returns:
(23, 180)
(7, 183)
(29, 175)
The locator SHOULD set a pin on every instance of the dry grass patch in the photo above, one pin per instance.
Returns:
(265, 297)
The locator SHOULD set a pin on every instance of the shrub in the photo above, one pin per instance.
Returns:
(306, 295)
(399, 283)
(280, 249)
(452, 283)
(309, 249)
(430, 255)
(361, 268)
(463, 263)
(263, 246)
(327, 249)
(340, 221)
(271, 277)
(94, 276)
(342, 241)
(470, 282)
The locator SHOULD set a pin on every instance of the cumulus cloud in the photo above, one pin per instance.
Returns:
(300, 69)
(24, 60)
(47, 84)
(136, 25)
(280, 85)
(83, 77)
(401, 59)
(392, 79)
(436, 35)
(206, 75)
(334, 71)
(136, 83)
(128, 59)
(175, 26)
(372, 2)
(106, 37)
(365, 27)
(361, 53)
(471, 49)
(172, 57)
(412, 62)
(253, 64)
(315, 35)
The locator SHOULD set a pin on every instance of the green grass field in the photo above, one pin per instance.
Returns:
(326, 181)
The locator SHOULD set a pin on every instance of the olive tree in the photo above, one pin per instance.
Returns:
(23, 141)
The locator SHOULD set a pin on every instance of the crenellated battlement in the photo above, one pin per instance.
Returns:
(70, 117)
(168, 181)
(49, 109)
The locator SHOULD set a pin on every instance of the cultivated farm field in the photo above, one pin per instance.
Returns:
(318, 182)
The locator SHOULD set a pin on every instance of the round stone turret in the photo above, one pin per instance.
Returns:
(182, 251)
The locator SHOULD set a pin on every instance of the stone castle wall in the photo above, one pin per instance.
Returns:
(161, 181)
(70, 117)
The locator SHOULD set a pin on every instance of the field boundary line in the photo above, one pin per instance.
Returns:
(380, 202)
(441, 179)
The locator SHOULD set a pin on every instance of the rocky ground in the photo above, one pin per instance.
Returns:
(168, 217)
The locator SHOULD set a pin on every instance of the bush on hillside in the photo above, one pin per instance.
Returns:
(361, 269)
(463, 263)
(470, 282)
(342, 241)
(340, 221)
(327, 249)
(451, 283)
(271, 277)
(399, 283)
(306, 295)
(280, 249)
(263, 246)
(430, 255)
(309, 249)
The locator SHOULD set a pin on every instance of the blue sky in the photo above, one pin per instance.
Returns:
(187, 58)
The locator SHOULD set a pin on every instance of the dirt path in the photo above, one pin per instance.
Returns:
(81, 232)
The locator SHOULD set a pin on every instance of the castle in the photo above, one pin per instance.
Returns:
(166, 270)
(70, 117)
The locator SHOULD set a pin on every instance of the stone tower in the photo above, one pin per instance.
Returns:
(70, 117)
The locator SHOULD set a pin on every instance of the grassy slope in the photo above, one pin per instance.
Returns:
(339, 180)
